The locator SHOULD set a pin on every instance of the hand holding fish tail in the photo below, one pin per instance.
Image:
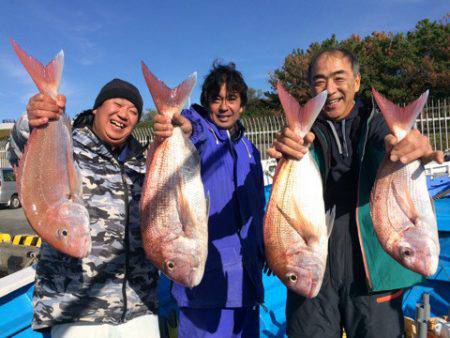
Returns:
(47, 181)
(174, 211)
(42, 108)
(163, 126)
(414, 146)
(295, 227)
(287, 143)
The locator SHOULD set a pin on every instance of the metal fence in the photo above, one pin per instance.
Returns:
(433, 122)
(3, 161)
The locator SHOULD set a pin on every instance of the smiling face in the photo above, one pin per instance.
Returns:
(114, 121)
(333, 72)
(226, 108)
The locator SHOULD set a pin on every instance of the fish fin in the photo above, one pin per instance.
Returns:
(277, 171)
(72, 171)
(67, 122)
(47, 78)
(168, 101)
(184, 209)
(300, 119)
(330, 215)
(406, 203)
(400, 120)
(305, 229)
(208, 204)
(433, 206)
(18, 169)
(150, 153)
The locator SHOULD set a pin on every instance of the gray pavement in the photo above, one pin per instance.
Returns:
(13, 222)
(15, 257)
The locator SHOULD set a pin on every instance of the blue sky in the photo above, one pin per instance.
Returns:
(106, 39)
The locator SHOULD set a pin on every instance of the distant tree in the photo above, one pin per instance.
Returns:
(147, 118)
(401, 66)
(257, 104)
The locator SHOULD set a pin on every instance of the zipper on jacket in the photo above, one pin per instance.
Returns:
(127, 244)
(344, 138)
(358, 225)
(246, 148)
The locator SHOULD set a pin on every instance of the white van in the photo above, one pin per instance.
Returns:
(8, 191)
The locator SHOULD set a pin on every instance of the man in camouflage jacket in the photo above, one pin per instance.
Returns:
(115, 283)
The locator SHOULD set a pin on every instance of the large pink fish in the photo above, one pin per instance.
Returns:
(174, 213)
(296, 228)
(400, 205)
(48, 183)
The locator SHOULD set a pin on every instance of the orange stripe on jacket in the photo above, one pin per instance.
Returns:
(389, 297)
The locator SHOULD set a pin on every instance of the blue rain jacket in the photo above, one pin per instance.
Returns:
(232, 177)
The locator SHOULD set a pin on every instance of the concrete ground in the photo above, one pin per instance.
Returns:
(15, 257)
(13, 222)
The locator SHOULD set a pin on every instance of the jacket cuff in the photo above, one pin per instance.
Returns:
(198, 129)
(18, 139)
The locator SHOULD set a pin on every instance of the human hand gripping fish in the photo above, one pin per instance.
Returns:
(47, 180)
(400, 206)
(174, 212)
(296, 227)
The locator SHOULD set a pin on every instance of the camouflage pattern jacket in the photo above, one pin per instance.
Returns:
(115, 283)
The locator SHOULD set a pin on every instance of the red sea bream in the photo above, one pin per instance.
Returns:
(174, 213)
(296, 228)
(400, 206)
(47, 180)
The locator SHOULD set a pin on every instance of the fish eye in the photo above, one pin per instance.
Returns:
(406, 252)
(170, 265)
(63, 232)
(292, 277)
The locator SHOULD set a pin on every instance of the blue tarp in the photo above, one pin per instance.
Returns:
(438, 184)
(16, 313)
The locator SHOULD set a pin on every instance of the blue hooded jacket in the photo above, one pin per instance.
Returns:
(232, 177)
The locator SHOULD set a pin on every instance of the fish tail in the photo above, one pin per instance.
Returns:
(47, 78)
(400, 120)
(168, 101)
(300, 119)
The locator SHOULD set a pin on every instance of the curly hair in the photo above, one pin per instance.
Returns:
(223, 74)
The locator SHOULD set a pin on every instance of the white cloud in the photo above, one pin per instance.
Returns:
(76, 32)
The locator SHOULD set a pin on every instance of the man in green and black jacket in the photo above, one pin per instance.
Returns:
(362, 286)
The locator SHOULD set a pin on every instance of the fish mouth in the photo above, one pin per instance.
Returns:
(83, 246)
(306, 287)
(428, 267)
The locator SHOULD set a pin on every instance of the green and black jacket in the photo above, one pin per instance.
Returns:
(381, 270)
